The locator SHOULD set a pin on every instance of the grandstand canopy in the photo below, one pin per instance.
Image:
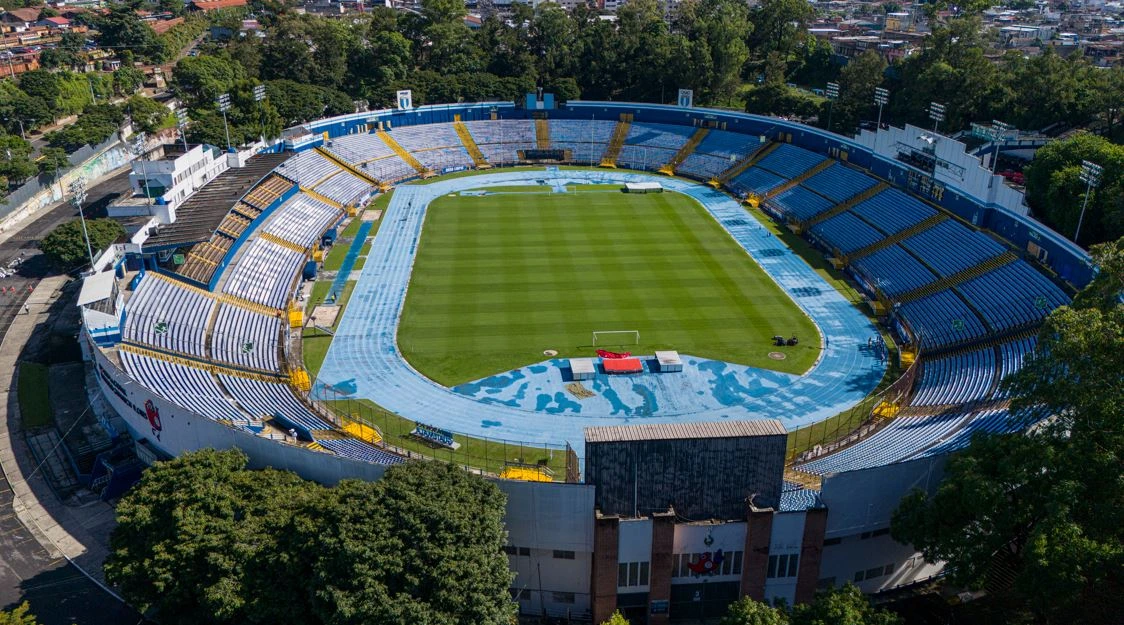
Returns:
(203, 211)
(670, 431)
(96, 288)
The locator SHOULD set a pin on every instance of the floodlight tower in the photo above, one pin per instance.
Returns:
(936, 113)
(138, 150)
(259, 95)
(78, 190)
(1091, 176)
(999, 131)
(224, 106)
(881, 97)
(181, 123)
(832, 93)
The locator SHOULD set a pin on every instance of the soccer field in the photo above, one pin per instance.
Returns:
(500, 278)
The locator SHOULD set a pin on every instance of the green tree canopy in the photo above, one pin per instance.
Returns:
(616, 619)
(52, 160)
(746, 611)
(18, 616)
(1056, 193)
(66, 247)
(201, 539)
(127, 80)
(147, 114)
(15, 159)
(835, 606)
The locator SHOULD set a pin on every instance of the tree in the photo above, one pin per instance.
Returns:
(66, 53)
(66, 246)
(18, 616)
(779, 26)
(746, 611)
(40, 83)
(122, 28)
(841, 605)
(1056, 194)
(15, 159)
(616, 619)
(147, 114)
(127, 80)
(52, 160)
(96, 124)
(856, 92)
(1044, 506)
(200, 80)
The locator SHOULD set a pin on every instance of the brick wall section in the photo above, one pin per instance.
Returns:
(758, 531)
(811, 554)
(663, 540)
(603, 582)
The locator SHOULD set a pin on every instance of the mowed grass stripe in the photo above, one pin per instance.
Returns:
(500, 278)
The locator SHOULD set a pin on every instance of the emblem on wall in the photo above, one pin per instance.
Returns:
(153, 415)
(707, 563)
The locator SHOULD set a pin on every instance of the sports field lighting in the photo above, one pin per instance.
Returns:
(936, 113)
(224, 106)
(181, 123)
(832, 93)
(138, 150)
(1091, 176)
(999, 130)
(881, 97)
(78, 191)
(259, 95)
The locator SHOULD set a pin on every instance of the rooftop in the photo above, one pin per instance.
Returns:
(668, 431)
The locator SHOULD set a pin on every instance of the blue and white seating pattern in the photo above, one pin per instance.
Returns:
(502, 131)
(351, 448)
(838, 183)
(308, 168)
(301, 220)
(264, 273)
(245, 338)
(359, 148)
(426, 137)
(898, 440)
(167, 316)
(443, 159)
(996, 421)
(894, 271)
(801, 203)
(846, 232)
(344, 188)
(183, 386)
(664, 136)
(583, 153)
(263, 399)
(755, 180)
(717, 152)
(955, 379)
(640, 157)
(1013, 295)
(892, 211)
(950, 247)
(1014, 354)
(790, 161)
(567, 131)
(389, 169)
(942, 319)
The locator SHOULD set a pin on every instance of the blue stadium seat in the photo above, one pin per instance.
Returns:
(838, 182)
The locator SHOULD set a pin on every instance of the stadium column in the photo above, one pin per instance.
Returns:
(758, 532)
(811, 554)
(663, 541)
(603, 582)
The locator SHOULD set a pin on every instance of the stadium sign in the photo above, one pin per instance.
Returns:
(686, 98)
(405, 99)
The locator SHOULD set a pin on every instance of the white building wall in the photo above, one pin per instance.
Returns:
(786, 539)
(691, 538)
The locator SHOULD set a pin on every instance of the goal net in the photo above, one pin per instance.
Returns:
(616, 337)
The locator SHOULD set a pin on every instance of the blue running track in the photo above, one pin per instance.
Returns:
(364, 360)
(349, 261)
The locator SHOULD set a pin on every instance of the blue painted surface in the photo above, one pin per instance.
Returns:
(349, 261)
(531, 405)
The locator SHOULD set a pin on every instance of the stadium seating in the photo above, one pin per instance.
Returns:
(390, 169)
(263, 399)
(1013, 354)
(639, 157)
(168, 316)
(308, 168)
(935, 246)
(789, 161)
(839, 183)
(894, 271)
(246, 338)
(443, 159)
(426, 137)
(437, 436)
(892, 211)
(344, 188)
(897, 441)
(955, 379)
(501, 140)
(184, 386)
(264, 273)
(755, 180)
(987, 421)
(716, 153)
(358, 450)
(664, 136)
(569, 131)
(942, 319)
(800, 203)
(359, 148)
(1013, 295)
(301, 220)
(846, 232)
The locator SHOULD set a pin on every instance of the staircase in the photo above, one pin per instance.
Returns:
(403, 154)
(348, 167)
(323, 198)
(685, 151)
(542, 134)
(745, 163)
(613, 151)
(252, 306)
(470, 144)
(885, 242)
(289, 245)
(958, 277)
(846, 204)
(822, 165)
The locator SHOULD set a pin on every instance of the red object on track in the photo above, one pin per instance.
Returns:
(607, 354)
(622, 365)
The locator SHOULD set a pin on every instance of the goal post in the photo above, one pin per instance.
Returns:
(606, 337)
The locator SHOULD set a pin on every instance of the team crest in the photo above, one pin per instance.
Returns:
(153, 415)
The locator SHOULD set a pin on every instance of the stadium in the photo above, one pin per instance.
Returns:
(632, 316)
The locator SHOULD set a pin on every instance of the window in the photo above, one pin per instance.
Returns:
(784, 565)
(875, 572)
(875, 534)
(832, 541)
(889, 569)
(524, 551)
(731, 563)
(632, 574)
(562, 597)
(563, 555)
(516, 551)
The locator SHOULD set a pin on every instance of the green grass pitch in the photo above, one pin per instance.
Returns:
(500, 278)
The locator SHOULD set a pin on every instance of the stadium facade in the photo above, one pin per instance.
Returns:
(190, 339)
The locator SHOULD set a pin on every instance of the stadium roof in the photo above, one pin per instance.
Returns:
(198, 217)
(666, 431)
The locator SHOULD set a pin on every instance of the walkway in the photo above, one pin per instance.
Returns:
(364, 359)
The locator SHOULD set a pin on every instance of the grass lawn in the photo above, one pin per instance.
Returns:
(314, 343)
(498, 279)
(35, 407)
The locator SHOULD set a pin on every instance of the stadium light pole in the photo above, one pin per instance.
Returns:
(936, 113)
(78, 190)
(224, 106)
(881, 97)
(181, 123)
(138, 150)
(259, 95)
(832, 93)
(1091, 176)
(999, 130)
